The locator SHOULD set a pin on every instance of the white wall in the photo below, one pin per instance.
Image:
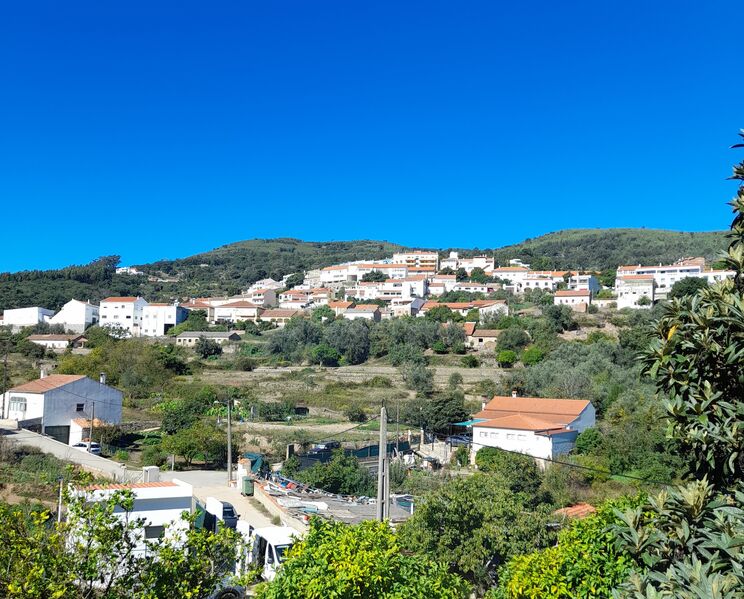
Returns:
(76, 316)
(127, 315)
(26, 317)
(527, 442)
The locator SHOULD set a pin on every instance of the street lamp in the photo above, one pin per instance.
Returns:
(229, 440)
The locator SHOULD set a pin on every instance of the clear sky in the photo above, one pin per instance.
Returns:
(161, 129)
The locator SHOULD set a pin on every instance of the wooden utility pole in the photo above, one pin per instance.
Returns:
(382, 491)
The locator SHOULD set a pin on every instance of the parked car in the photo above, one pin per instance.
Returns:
(325, 446)
(457, 440)
(94, 448)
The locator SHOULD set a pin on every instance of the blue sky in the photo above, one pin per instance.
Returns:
(159, 129)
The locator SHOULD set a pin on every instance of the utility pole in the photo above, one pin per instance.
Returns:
(5, 373)
(92, 418)
(382, 467)
(229, 441)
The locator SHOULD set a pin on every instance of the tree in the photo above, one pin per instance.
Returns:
(588, 441)
(356, 413)
(323, 313)
(443, 314)
(519, 472)
(444, 409)
(350, 338)
(585, 563)
(532, 355)
(418, 378)
(325, 355)
(374, 276)
(478, 275)
(513, 338)
(470, 361)
(475, 523)
(199, 439)
(644, 300)
(343, 474)
(295, 279)
(682, 540)
(561, 318)
(206, 348)
(363, 560)
(506, 358)
(461, 274)
(687, 286)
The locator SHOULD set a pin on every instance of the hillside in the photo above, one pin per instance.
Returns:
(608, 248)
(230, 268)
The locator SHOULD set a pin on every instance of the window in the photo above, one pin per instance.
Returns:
(17, 404)
(129, 317)
(510, 436)
(154, 532)
(79, 407)
(494, 435)
(484, 434)
(521, 437)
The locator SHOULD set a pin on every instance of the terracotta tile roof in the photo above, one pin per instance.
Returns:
(511, 269)
(556, 412)
(364, 308)
(486, 333)
(446, 277)
(280, 313)
(580, 510)
(342, 305)
(53, 337)
(382, 266)
(158, 304)
(53, 381)
(572, 293)
(486, 303)
(636, 277)
(469, 328)
(120, 300)
(123, 487)
(517, 421)
(196, 306)
(238, 304)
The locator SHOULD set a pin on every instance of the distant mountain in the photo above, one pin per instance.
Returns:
(608, 248)
(230, 268)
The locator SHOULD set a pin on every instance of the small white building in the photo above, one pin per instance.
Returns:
(18, 318)
(578, 300)
(279, 317)
(189, 338)
(123, 312)
(364, 311)
(340, 307)
(539, 427)
(58, 342)
(158, 319)
(236, 311)
(585, 282)
(160, 504)
(76, 316)
(630, 290)
(49, 404)
(263, 297)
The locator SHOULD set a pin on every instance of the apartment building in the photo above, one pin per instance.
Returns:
(578, 300)
(76, 316)
(666, 275)
(125, 313)
(263, 296)
(427, 261)
(631, 289)
(237, 311)
(158, 319)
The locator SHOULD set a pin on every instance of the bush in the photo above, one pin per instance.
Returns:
(325, 355)
(244, 364)
(506, 358)
(121, 455)
(153, 455)
(588, 440)
(513, 338)
(462, 456)
(470, 361)
(532, 355)
(418, 378)
(439, 347)
(206, 348)
(356, 414)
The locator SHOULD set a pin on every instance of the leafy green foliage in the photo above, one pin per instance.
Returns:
(343, 474)
(583, 565)
(365, 560)
(513, 338)
(418, 378)
(519, 472)
(506, 358)
(206, 348)
(374, 276)
(687, 286)
(476, 524)
(532, 355)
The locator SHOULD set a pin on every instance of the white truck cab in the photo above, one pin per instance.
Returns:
(267, 547)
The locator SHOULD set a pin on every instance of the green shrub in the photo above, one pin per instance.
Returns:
(121, 455)
(532, 355)
(506, 358)
(439, 347)
(153, 455)
(244, 364)
(470, 361)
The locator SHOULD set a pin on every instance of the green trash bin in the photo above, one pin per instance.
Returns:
(247, 486)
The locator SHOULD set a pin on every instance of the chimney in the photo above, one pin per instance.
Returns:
(514, 393)
(43, 372)
(102, 378)
(484, 401)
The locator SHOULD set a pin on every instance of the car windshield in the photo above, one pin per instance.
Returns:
(281, 551)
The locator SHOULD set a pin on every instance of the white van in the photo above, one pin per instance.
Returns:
(267, 547)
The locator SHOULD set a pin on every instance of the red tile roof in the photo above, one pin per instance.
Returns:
(120, 299)
(553, 413)
(280, 313)
(53, 381)
(572, 293)
(123, 487)
(238, 304)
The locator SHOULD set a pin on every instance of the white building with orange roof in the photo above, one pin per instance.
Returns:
(339, 307)
(159, 505)
(49, 404)
(280, 316)
(666, 275)
(125, 313)
(540, 427)
(424, 260)
(578, 300)
(263, 296)
(364, 311)
(237, 311)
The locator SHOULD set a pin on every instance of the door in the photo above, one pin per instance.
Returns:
(60, 433)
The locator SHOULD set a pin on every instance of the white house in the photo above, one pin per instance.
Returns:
(160, 504)
(340, 307)
(189, 338)
(236, 311)
(52, 341)
(585, 282)
(539, 427)
(76, 316)
(631, 288)
(263, 297)
(124, 312)
(158, 319)
(666, 275)
(17, 318)
(279, 317)
(364, 311)
(578, 300)
(49, 404)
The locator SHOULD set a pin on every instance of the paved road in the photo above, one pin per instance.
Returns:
(99, 465)
(208, 483)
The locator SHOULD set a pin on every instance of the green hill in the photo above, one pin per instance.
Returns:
(608, 248)
(230, 268)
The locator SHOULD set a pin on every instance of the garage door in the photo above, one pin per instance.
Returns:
(60, 433)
